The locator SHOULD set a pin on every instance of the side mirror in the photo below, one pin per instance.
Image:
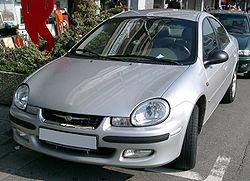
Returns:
(216, 57)
(69, 45)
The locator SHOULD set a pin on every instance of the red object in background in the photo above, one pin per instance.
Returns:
(35, 14)
(62, 20)
(19, 41)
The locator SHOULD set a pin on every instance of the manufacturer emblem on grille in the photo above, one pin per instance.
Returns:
(68, 118)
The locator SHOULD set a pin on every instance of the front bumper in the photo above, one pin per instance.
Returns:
(165, 140)
(244, 64)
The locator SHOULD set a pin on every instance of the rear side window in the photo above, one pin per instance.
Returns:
(209, 39)
(220, 33)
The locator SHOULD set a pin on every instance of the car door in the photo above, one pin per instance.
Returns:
(217, 73)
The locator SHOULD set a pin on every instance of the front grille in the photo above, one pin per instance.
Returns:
(78, 120)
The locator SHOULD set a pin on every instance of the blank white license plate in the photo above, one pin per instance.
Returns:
(68, 139)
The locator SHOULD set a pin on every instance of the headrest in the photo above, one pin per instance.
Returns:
(163, 33)
(187, 33)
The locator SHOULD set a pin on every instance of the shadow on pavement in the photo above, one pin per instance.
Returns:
(25, 164)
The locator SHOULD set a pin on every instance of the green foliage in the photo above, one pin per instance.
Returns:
(26, 60)
(84, 20)
(99, 42)
(115, 10)
(22, 60)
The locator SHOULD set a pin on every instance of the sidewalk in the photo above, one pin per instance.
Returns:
(7, 144)
(5, 129)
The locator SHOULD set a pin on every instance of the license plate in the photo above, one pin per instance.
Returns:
(68, 139)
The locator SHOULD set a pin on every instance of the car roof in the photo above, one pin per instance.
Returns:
(173, 13)
(227, 12)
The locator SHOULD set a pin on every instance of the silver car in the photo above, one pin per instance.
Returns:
(134, 92)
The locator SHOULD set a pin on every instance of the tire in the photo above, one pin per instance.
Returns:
(187, 158)
(231, 91)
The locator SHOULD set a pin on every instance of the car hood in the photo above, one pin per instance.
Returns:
(99, 87)
(243, 40)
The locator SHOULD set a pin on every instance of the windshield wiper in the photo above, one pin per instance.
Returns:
(88, 51)
(96, 54)
(152, 59)
(162, 60)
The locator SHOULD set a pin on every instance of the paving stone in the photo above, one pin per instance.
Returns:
(4, 113)
(4, 139)
(6, 148)
(4, 127)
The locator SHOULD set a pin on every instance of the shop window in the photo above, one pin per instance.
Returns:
(58, 4)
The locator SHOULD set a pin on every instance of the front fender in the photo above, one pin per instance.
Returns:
(189, 87)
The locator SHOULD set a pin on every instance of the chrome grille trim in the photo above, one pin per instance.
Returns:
(71, 120)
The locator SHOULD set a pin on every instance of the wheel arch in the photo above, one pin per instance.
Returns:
(201, 103)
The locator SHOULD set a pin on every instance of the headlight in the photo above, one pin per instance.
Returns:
(244, 52)
(21, 96)
(150, 112)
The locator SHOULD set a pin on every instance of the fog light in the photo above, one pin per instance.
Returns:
(131, 153)
(22, 134)
(120, 122)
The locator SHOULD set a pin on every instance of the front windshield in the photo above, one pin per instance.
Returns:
(234, 23)
(137, 39)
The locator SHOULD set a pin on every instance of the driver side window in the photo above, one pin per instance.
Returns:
(210, 43)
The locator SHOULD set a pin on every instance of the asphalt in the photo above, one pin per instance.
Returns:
(245, 166)
(11, 152)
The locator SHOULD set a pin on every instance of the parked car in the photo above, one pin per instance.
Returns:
(134, 92)
(237, 23)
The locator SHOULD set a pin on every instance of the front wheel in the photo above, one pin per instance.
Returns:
(231, 91)
(187, 158)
